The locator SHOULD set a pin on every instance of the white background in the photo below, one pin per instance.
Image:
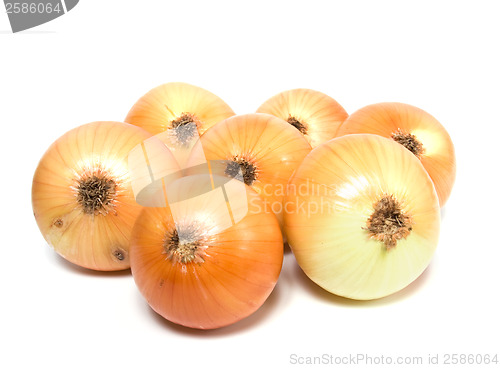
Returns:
(96, 61)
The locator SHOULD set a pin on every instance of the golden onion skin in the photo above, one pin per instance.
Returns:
(170, 111)
(99, 239)
(317, 114)
(387, 118)
(235, 268)
(156, 110)
(332, 196)
(274, 147)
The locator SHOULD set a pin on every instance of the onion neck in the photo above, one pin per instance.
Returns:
(409, 141)
(242, 169)
(388, 222)
(297, 123)
(184, 129)
(185, 245)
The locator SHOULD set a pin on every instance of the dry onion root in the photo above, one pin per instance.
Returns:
(316, 115)
(362, 216)
(203, 261)
(82, 196)
(416, 130)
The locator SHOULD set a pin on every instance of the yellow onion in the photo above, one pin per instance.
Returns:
(82, 195)
(362, 216)
(416, 130)
(259, 149)
(316, 115)
(177, 113)
(211, 256)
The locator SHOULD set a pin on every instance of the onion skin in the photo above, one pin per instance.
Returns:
(340, 181)
(321, 114)
(386, 118)
(157, 108)
(98, 241)
(240, 264)
(274, 146)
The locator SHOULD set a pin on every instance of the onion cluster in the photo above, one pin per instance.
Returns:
(198, 201)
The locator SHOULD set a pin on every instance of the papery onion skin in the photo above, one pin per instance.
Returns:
(234, 274)
(155, 110)
(332, 196)
(272, 145)
(386, 118)
(96, 240)
(320, 114)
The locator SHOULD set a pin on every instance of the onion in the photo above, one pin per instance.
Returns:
(210, 257)
(173, 111)
(259, 149)
(82, 196)
(362, 216)
(416, 130)
(316, 115)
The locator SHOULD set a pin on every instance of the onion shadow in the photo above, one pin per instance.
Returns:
(443, 213)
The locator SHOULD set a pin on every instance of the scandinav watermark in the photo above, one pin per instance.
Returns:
(26, 14)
